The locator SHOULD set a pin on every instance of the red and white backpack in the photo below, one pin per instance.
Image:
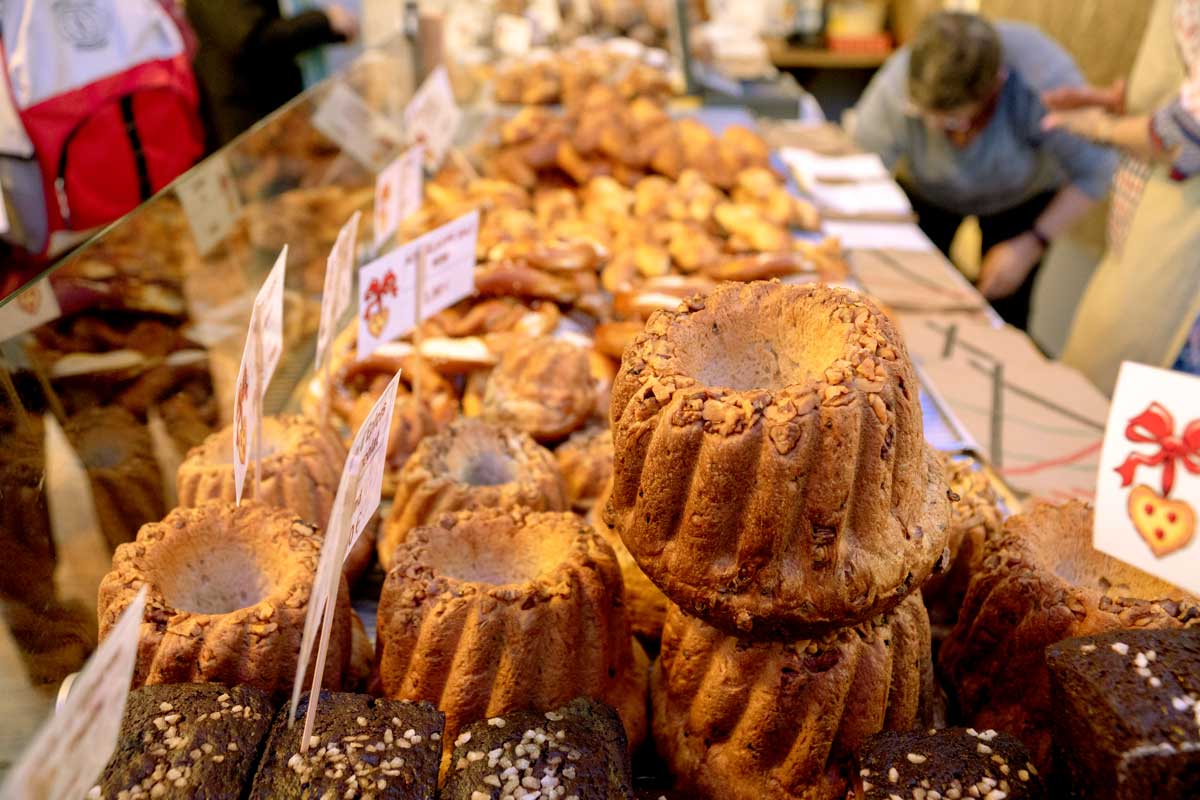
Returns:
(98, 110)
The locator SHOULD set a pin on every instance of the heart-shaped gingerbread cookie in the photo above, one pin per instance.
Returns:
(1166, 525)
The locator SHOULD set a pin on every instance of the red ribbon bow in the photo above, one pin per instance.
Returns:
(1156, 425)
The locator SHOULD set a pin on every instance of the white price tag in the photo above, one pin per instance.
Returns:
(268, 311)
(346, 118)
(339, 275)
(546, 16)
(33, 306)
(1148, 488)
(387, 286)
(513, 35)
(398, 191)
(432, 117)
(72, 748)
(210, 201)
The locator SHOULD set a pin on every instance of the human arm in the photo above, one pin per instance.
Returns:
(239, 27)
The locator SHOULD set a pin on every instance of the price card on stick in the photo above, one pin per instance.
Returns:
(71, 749)
(369, 137)
(264, 344)
(357, 498)
(35, 305)
(432, 117)
(1148, 488)
(210, 202)
(339, 276)
(388, 286)
(513, 35)
(398, 192)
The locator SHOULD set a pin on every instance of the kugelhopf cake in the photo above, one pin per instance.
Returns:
(645, 603)
(578, 750)
(770, 473)
(1127, 714)
(586, 460)
(491, 611)
(782, 719)
(187, 740)
(472, 464)
(360, 747)
(542, 386)
(1039, 582)
(301, 467)
(227, 593)
(126, 481)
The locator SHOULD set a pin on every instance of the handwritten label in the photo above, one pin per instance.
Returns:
(387, 286)
(432, 117)
(339, 276)
(210, 202)
(398, 192)
(264, 344)
(356, 501)
(367, 136)
(71, 749)
(1148, 488)
(35, 305)
(513, 35)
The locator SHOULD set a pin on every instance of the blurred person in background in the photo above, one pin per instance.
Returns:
(957, 115)
(1143, 302)
(246, 64)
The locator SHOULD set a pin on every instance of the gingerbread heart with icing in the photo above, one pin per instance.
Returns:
(1165, 525)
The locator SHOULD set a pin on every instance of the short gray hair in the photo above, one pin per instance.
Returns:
(955, 59)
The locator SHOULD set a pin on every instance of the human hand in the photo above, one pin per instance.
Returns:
(1091, 123)
(1007, 264)
(1067, 98)
(342, 21)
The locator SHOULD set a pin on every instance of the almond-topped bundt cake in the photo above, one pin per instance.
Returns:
(764, 720)
(116, 452)
(490, 611)
(542, 386)
(228, 590)
(770, 473)
(470, 465)
(1039, 582)
(645, 603)
(586, 460)
(301, 467)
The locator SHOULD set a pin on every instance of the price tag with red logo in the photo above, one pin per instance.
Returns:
(71, 749)
(339, 275)
(264, 344)
(32, 306)
(398, 193)
(1148, 489)
(387, 286)
(432, 117)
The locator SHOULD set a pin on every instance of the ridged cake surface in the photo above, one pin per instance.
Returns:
(586, 460)
(486, 612)
(781, 720)
(470, 465)
(770, 471)
(227, 593)
(645, 603)
(1040, 582)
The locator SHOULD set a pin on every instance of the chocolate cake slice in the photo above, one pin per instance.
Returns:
(948, 764)
(1127, 713)
(187, 740)
(577, 751)
(361, 747)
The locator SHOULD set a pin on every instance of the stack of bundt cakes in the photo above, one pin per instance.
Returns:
(771, 477)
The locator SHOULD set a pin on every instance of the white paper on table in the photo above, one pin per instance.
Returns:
(70, 750)
(357, 128)
(432, 117)
(811, 167)
(865, 198)
(210, 201)
(1147, 494)
(35, 305)
(339, 275)
(398, 192)
(856, 235)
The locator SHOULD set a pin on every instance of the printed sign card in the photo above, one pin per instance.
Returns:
(210, 202)
(339, 275)
(387, 286)
(398, 192)
(35, 305)
(1148, 490)
(367, 136)
(432, 117)
(513, 35)
(71, 749)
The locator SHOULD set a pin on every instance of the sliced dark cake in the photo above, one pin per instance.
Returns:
(187, 740)
(948, 764)
(577, 752)
(1127, 713)
(361, 747)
